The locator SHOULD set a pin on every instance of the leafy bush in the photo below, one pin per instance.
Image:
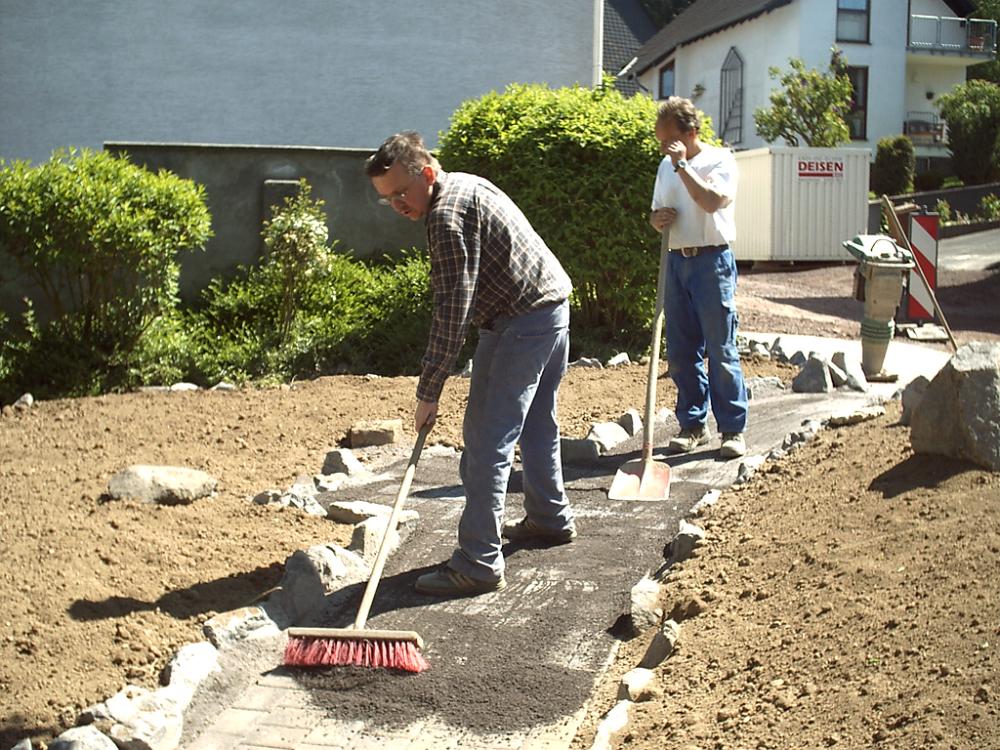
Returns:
(943, 210)
(972, 111)
(989, 207)
(932, 179)
(892, 173)
(98, 237)
(580, 163)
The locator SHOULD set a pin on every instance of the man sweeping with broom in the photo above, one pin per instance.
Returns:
(489, 268)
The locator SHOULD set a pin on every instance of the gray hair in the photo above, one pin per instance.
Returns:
(407, 148)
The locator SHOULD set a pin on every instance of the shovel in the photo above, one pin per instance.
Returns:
(643, 478)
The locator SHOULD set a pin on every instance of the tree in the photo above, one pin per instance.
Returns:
(972, 111)
(810, 106)
(987, 71)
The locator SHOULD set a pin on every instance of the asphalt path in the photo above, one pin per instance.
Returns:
(979, 251)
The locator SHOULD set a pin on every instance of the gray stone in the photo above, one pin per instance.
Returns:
(191, 666)
(798, 359)
(24, 744)
(778, 351)
(637, 685)
(82, 738)
(379, 432)
(662, 645)
(343, 461)
(643, 611)
(7, 411)
(222, 385)
(814, 377)
(267, 497)
(328, 483)
(837, 376)
(612, 726)
(168, 485)
(607, 435)
(959, 415)
(857, 416)
(156, 725)
(25, 402)
(761, 387)
(311, 575)
(706, 501)
(587, 362)
(683, 544)
(178, 387)
(913, 394)
(631, 422)
(367, 536)
(619, 359)
(748, 468)
(358, 511)
(759, 349)
(230, 628)
(579, 451)
(851, 366)
(302, 495)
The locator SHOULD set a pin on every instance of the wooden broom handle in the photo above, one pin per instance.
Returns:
(384, 547)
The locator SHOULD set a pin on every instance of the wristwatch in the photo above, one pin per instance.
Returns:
(682, 164)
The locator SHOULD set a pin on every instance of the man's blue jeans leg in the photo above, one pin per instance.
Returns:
(701, 321)
(516, 372)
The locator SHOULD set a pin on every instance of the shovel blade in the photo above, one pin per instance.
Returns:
(641, 479)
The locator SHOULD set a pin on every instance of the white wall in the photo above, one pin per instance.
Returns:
(306, 72)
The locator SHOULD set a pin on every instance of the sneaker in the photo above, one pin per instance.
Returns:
(446, 581)
(527, 530)
(689, 438)
(733, 445)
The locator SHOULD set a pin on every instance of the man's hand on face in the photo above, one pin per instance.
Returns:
(426, 414)
(677, 151)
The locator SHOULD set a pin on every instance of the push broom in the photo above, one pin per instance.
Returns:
(389, 649)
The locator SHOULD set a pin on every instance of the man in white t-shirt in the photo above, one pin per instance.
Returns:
(693, 197)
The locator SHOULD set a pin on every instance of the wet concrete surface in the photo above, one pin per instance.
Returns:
(503, 663)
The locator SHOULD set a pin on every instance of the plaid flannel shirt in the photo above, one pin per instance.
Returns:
(486, 262)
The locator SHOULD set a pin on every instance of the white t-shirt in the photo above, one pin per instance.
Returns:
(693, 226)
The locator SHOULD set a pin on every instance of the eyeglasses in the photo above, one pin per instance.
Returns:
(399, 197)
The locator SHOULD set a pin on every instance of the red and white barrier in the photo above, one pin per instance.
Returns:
(924, 241)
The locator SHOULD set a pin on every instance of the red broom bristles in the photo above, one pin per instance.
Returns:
(358, 652)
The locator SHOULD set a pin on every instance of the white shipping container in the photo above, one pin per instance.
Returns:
(800, 203)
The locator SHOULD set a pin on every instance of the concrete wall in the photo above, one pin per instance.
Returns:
(303, 72)
(242, 182)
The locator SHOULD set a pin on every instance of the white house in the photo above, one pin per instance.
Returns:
(300, 72)
(901, 55)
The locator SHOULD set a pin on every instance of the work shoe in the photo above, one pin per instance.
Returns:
(689, 438)
(733, 445)
(527, 530)
(446, 581)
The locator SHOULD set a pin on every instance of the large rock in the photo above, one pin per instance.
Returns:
(368, 535)
(312, 574)
(378, 432)
(814, 377)
(913, 394)
(607, 435)
(82, 738)
(168, 485)
(959, 415)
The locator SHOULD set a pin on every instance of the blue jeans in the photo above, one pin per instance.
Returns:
(701, 320)
(516, 372)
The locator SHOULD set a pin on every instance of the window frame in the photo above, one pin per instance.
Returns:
(867, 13)
(673, 79)
(863, 70)
(725, 84)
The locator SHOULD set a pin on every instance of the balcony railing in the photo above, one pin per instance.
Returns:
(974, 36)
(924, 128)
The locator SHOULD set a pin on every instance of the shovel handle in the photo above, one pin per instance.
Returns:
(383, 549)
(654, 349)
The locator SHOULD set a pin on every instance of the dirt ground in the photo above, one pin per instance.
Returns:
(850, 590)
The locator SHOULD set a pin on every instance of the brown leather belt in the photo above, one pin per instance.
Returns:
(690, 252)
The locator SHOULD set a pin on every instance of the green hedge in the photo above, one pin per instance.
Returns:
(98, 238)
(895, 162)
(581, 164)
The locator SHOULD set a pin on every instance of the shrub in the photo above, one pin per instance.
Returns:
(892, 173)
(930, 180)
(98, 237)
(989, 207)
(943, 210)
(580, 163)
(972, 111)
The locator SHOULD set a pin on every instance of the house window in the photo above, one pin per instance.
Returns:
(852, 20)
(857, 118)
(667, 81)
(731, 115)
